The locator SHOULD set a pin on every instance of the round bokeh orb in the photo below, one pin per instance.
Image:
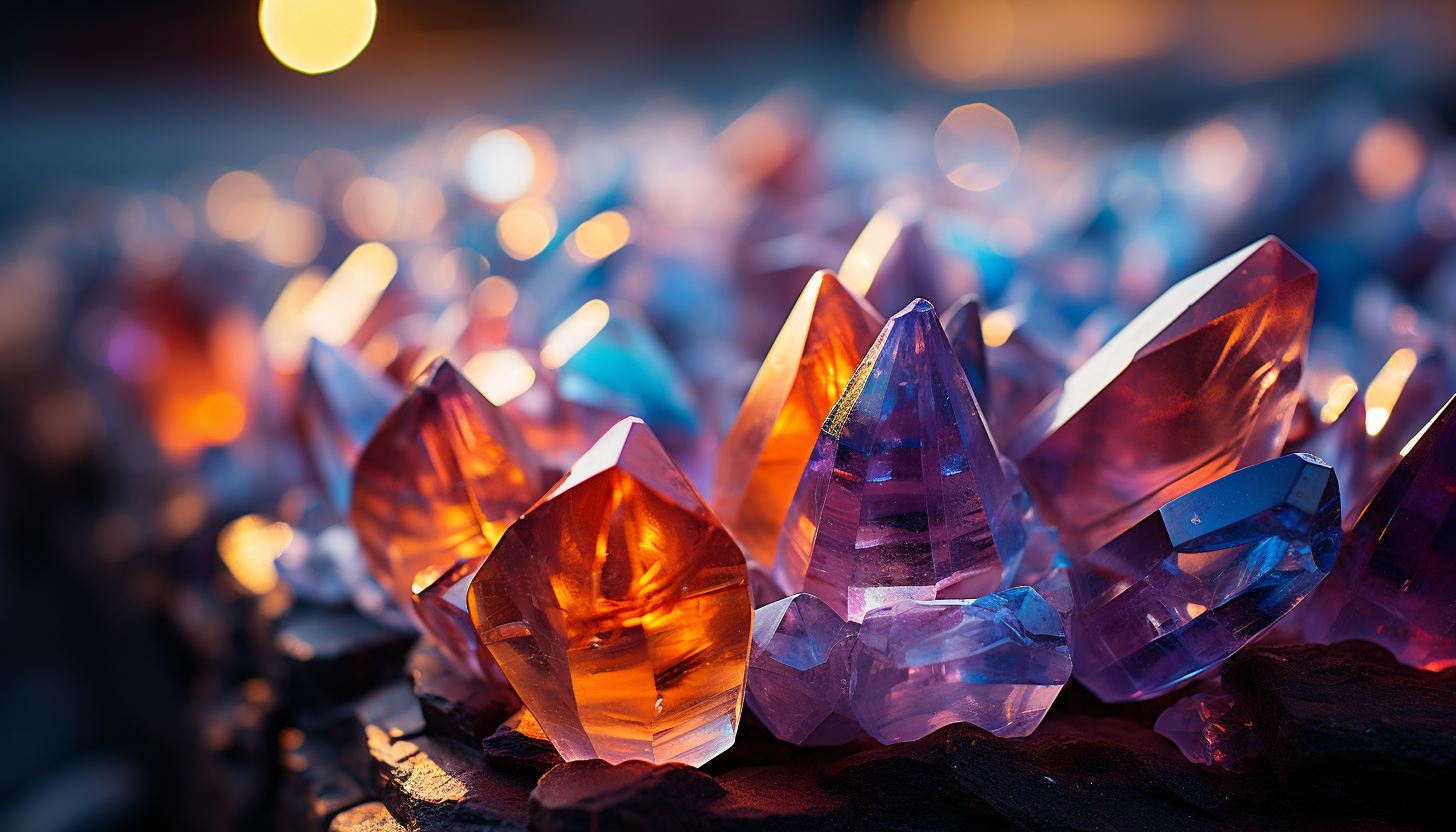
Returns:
(316, 36)
(976, 147)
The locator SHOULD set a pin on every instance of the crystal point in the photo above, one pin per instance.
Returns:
(1196, 580)
(767, 446)
(444, 475)
(798, 672)
(618, 608)
(441, 598)
(1202, 382)
(1211, 729)
(963, 327)
(340, 402)
(904, 495)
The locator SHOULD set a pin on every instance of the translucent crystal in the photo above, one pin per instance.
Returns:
(441, 598)
(798, 672)
(1210, 728)
(963, 326)
(340, 403)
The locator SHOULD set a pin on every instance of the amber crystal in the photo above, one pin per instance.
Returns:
(1203, 381)
(444, 475)
(765, 450)
(618, 609)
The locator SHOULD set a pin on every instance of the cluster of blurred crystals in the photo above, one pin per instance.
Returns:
(995, 445)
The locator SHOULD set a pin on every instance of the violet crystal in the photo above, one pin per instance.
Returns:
(1211, 729)
(798, 672)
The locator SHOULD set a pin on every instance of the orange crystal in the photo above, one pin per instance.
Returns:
(443, 476)
(618, 609)
(764, 452)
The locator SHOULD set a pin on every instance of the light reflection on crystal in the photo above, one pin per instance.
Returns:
(340, 403)
(799, 672)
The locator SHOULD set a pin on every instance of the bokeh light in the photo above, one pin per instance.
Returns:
(1342, 391)
(601, 235)
(1388, 159)
(371, 207)
(526, 228)
(316, 36)
(344, 301)
(499, 166)
(1215, 153)
(501, 375)
(285, 332)
(239, 204)
(292, 236)
(249, 546)
(1385, 388)
(977, 147)
(574, 333)
(997, 326)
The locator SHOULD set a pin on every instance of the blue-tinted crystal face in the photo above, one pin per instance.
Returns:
(343, 403)
(804, 634)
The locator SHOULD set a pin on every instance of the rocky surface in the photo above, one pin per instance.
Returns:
(454, 704)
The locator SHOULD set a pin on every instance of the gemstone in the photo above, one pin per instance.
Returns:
(441, 600)
(1345, 445)
(798, 672)
(904, 495)
(997, 661)
(1202, 382)
(1395, 580)
(963, 327)
(1021, 373)
(767, 446)
(340, 403)
(1199, 578)
(444, 475)
(1211, 729)
(618, 609)
(1430, 384)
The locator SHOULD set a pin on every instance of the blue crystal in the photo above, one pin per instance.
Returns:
(963, 328)
(340, 402)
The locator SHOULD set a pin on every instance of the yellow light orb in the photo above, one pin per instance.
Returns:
(316, 36)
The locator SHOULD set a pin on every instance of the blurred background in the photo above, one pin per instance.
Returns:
(173, 196)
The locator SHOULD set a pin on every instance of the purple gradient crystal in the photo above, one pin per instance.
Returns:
(1201, 577)
(1211, 729)
(1395, 580)
(798, 672)
(1021, 373)
(904, 495)
(1345, 445)
(998, 662)
(340, 403)
(963, 328)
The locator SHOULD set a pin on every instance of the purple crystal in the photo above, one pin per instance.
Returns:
(798, 672)
(340, 402)
(1345, 445)
(1201, 577)
(997, 661)
(1211, 729)
(963, 327)
(904, 495)
(1021, 373)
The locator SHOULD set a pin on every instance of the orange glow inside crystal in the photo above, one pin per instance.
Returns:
(765, 450)
(618, 608)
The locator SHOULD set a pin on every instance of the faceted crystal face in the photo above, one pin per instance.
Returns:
(340, 403)
(963, 327)
(441, 598)
(1395, 580)
(798, 672)
(1211, 729)
(1021, 374)
(997, 661)
(1345, 445)
(443, 477)
(618, 609)
(766, 448)
(1202, 382)
(904, 495)
(1201, 577)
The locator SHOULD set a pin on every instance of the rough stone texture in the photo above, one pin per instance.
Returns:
(366, 817)
(393, 708)
(336, 655)
(596, 795)
(1347, 728)
(520, 746)
(455, 705)
(437, 785)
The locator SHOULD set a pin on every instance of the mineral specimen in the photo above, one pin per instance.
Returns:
(798, 672)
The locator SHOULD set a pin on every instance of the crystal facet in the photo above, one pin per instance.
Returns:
(444, 475)
(1395, 580)
(441, 596)
(618, 609)
(1184, 589)
(963, 327)
(997, 661)
(1210, 728)
(340, 403)
(1345, 445)
(1203, 381)
(767, 446)
(904, 495)
(798, 672)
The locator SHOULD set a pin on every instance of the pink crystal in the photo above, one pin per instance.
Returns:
(798, 672)
(442, 603)
(1211, 729)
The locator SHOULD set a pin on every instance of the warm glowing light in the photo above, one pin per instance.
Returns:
(500, 375)
(495, 297)
(977, 147)
(284, 333)
(526, 228)
(316, 36)
(997, 326)
(292, 236)
(381, 350)
(863, 261)
(1385, 388)
(249, 546)
(500, 166)
(573, 333)
(601, 235)
(220, 418)
(1342, 390)
(371, 208)
(239, 204)
(1215, 153)
(959, 42)
(422, 209)
(1388, 159)
(346, 299)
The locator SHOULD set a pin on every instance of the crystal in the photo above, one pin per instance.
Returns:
(997, 661)
(1021, 373)
(444, 475)
(441, 599)
(1430, 384)
(904, 495)
(1345, 445)
(1395, 580)
(1203, 381)
(340, 403)
(1199, 578)
(798, 672)
(618, 609)
(963, 326)
(767, 446)
(1211, 729)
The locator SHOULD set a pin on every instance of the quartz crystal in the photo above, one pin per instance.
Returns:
(904, 495)
(1395, 580)
(963, 327)
(340, 403)
(798, 672)
(1345, 445)
(1021, 373)
(1196, 580)
(767, 446)
(997, 661)
(618, 609)
(441, 597)
(444, 475)
(1202, 382)
(1210, 728)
